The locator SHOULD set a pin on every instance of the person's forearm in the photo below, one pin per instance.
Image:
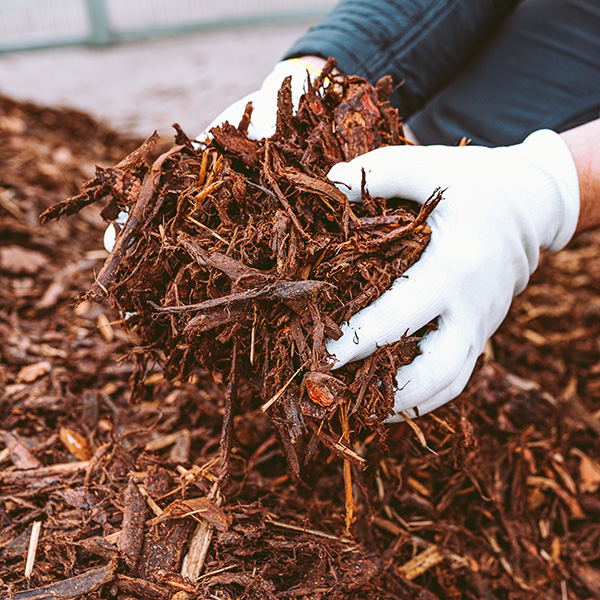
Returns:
(420, 43)
(584, 144)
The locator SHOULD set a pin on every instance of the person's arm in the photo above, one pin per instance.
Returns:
(584, 144)
(422, 44)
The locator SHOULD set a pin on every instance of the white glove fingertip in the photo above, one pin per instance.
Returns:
(438, 374)
(349, 347)
(347, 180)
(111, 232)
(110, 237)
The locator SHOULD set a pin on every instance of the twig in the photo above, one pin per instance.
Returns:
(31, 552)
(315, 532)
(347, 470)
(157, 510)
(203, 226)
(284, 291)
(421, 563)
(208, 189)
(203, 165)
(253, 338)
(8, 477)
(417, 430)
(396, 530)
(227, 568)
(337, 446)
(227, 426)
(194, 559)
(278, 193)
(278, 395)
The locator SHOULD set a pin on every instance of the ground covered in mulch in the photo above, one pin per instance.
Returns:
(502, 501)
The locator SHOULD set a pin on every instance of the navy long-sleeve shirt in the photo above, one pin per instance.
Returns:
(421, 43)
(490, 70)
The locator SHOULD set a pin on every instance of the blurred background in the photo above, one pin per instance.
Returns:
(141, 65)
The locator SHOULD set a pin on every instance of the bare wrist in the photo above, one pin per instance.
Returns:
(584, 144)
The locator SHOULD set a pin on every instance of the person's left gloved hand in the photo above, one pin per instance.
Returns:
(264, 100)
(500, 208)
(264, 113)
(112, 230)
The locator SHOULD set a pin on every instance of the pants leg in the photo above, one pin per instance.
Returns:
(540, 70)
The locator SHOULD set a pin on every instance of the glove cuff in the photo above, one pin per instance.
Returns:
(552, 196)
(312, 69)
(300, 71)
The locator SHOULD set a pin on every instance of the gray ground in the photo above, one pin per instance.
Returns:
(142, 86)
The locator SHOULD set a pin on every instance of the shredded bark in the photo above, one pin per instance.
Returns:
(507, 507)
(243, 258)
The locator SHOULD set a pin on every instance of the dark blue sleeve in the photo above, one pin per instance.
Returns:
(422, 44)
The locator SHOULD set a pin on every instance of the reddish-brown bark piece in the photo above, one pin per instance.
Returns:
(99, 187)
(357, 119)
(132, 532)
(74, 587)
(231, 141)
(143, 588)
(164, 546)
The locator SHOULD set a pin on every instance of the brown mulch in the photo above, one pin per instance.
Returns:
(502, 503)
(241, 257)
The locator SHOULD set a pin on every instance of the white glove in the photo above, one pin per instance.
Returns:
(264, 114)
(501, 206)
(264, 101)
(111, 232)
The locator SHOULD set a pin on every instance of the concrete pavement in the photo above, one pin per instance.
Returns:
(141, 86)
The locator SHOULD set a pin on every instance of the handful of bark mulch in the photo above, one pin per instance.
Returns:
(240, 256)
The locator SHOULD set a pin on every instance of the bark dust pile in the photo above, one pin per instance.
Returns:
(103, 497)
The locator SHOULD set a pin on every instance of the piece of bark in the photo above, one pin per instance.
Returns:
(20, 456)
(75, 587)
(132, 530)
(96, 189)
(142, 588)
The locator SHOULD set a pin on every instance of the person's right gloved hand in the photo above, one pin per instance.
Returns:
(501, 206)
(264, 100)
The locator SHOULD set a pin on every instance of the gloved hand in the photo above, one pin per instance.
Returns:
(501, 206)
(264, 113)
(264, 101)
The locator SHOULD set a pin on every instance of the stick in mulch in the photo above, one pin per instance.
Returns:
(75, 587)
(241, 257)
(132, 534)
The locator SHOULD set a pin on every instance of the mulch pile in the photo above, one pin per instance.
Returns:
(495, 495)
